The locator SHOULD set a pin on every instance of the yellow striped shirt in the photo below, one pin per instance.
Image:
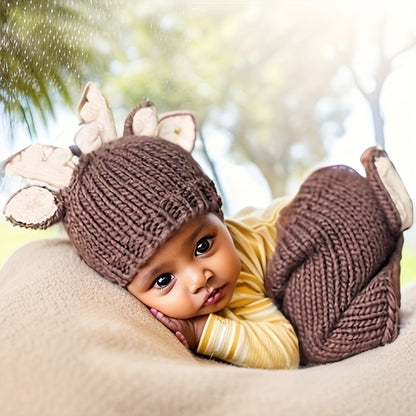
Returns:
(251, 331)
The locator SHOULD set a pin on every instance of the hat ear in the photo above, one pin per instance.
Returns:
(49, 164)
(141, 121)
(34, 207)
(178, 127)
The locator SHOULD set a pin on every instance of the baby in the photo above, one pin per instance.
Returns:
(142, 213)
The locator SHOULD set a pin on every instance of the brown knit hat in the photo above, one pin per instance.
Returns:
(129, 197)
(119, 199)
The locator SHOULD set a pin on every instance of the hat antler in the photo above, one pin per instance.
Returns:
(38, 206)
(49, 164)
(54, 165)
(94, 111)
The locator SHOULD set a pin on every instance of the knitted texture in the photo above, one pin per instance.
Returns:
(128, 197)
(335, 270)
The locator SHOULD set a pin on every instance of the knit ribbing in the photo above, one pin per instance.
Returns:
(128, 197)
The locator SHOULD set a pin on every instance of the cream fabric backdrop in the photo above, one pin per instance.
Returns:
(73, 344)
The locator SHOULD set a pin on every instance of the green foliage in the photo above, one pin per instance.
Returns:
(14, 237)
(46, 47)
(273, 76)
(408, 265)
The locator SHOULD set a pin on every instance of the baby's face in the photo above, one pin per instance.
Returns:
(194, 273)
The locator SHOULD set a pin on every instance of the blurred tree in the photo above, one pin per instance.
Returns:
(271, 74)
(371, 46)
(238, 68)
(284, 92)
(46, 47)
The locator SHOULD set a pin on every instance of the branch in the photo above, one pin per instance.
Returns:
(403, 50)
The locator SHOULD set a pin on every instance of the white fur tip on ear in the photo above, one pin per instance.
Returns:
(32, 207)
(178, 127)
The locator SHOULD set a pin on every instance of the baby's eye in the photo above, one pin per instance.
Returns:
(203, 245)
(163, 280)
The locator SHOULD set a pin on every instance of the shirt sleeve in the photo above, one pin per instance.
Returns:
(260, 336)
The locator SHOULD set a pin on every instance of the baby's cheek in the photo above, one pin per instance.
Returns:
(237, 265)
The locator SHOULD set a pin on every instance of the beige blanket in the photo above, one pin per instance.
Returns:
(73, 344)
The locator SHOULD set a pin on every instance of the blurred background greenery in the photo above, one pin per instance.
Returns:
(277, 87)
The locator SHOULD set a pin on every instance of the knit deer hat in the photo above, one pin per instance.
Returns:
(121, 199)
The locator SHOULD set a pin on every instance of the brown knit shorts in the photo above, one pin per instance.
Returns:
(335, 271)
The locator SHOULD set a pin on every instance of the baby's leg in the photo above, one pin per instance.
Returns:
(333, 273)
(327, 332)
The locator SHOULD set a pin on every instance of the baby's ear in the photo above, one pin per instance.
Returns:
(178, 127)
(34, 207)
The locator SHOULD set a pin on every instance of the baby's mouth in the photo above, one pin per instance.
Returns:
(214, 296)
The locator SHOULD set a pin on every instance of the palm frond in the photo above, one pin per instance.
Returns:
(46, 48)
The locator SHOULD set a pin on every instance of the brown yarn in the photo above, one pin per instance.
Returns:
(333, 269)
(128, 197)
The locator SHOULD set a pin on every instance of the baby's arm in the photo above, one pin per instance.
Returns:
(261, 338)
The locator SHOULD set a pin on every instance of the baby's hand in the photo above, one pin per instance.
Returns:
(188, 331)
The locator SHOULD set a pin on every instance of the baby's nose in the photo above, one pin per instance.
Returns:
(198, 279)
